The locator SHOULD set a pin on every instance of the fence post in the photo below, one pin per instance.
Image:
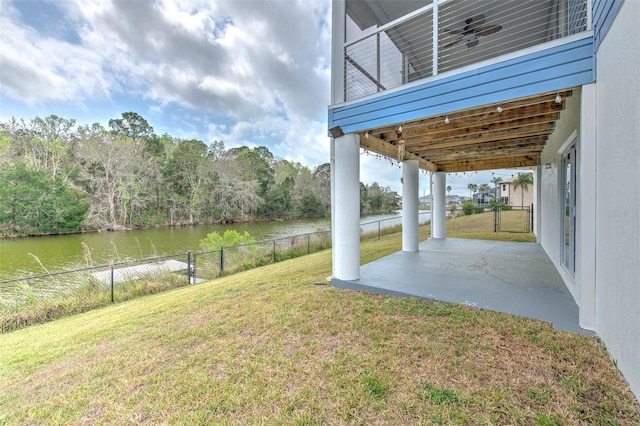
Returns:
(308, 243)
(195, 263)
(531, 217)
(188, 266)
(274, 251)
(112, 298)
(379, 229)
(221, 259)
(495, 219)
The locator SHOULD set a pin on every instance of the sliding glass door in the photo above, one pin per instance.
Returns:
(569, 208)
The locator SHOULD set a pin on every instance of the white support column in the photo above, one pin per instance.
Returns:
(587, 205)
(346, 208)
(537, 198)
(438, 215)
(332, 162)
(410, 195)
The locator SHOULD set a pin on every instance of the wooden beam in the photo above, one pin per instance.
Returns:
(488, 120)
(381, 147)
(496, 163)
(508, 143)
(529, 106)
(490, 136)
(512, 122)
(485, 155)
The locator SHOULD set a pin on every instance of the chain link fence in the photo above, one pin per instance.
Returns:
(36, 299)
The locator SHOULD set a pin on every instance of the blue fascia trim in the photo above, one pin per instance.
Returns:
(529, 90)
(557, 68)
(604, 13)
(473, 83)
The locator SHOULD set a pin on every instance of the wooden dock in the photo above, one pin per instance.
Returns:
(145, 270)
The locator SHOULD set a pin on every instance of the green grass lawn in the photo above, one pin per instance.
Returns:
(480, 226)
(271, 346)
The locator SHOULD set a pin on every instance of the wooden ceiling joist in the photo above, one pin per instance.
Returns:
(489, 164)
(480, 138)
(511, 124)
(527, 107)
(488, 146)
(495, 136)
(483, 155)
(379, 146)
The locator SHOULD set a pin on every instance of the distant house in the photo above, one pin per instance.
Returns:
(483, 198)
(515, 197)
(455, 200)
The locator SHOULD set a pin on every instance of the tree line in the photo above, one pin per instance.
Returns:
(57, 176)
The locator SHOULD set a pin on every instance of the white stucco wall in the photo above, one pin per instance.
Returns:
(550, 236)
(617, 193)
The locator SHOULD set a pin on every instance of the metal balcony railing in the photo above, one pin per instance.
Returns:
(451, 34)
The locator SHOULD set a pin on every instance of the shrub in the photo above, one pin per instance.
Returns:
(467, 207)
(214, 240)
(478, 209)
(503, 206)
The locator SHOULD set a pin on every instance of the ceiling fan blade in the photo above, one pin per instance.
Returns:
(446, 30)
(453, 43)
(473, 43)
(491, 29)
(475, 22)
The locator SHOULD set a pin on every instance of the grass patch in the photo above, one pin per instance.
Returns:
(374, 386)
(268, 346)
(480, 227)
(436, 395)
(82, 293)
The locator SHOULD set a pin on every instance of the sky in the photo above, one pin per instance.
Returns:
(246, 72)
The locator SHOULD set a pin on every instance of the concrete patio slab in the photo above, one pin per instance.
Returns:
(514, 278)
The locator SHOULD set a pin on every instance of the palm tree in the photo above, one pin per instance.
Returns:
(523, 180)
(449, 189)
(496, 180)
(484, 187)
(472, 189)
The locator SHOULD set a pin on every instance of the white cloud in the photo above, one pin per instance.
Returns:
(254, 72)
(237, 58)
(303, 141)
(306, 142)
(38, 68)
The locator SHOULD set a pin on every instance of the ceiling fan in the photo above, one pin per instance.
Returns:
(472, 31)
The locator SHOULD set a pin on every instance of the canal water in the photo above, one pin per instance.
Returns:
(41, 255)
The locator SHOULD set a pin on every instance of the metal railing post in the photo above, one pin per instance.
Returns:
(308, 243)
(195, 263)
(530, 219)
(188, 266)
(274, 251)
(378, 61)
(221, 259)
(112, 298)
(379, 229)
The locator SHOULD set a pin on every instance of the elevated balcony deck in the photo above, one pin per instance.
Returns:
(461, 85)
(391, 44)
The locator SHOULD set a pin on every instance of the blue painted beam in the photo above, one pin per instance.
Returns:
(557, 68)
